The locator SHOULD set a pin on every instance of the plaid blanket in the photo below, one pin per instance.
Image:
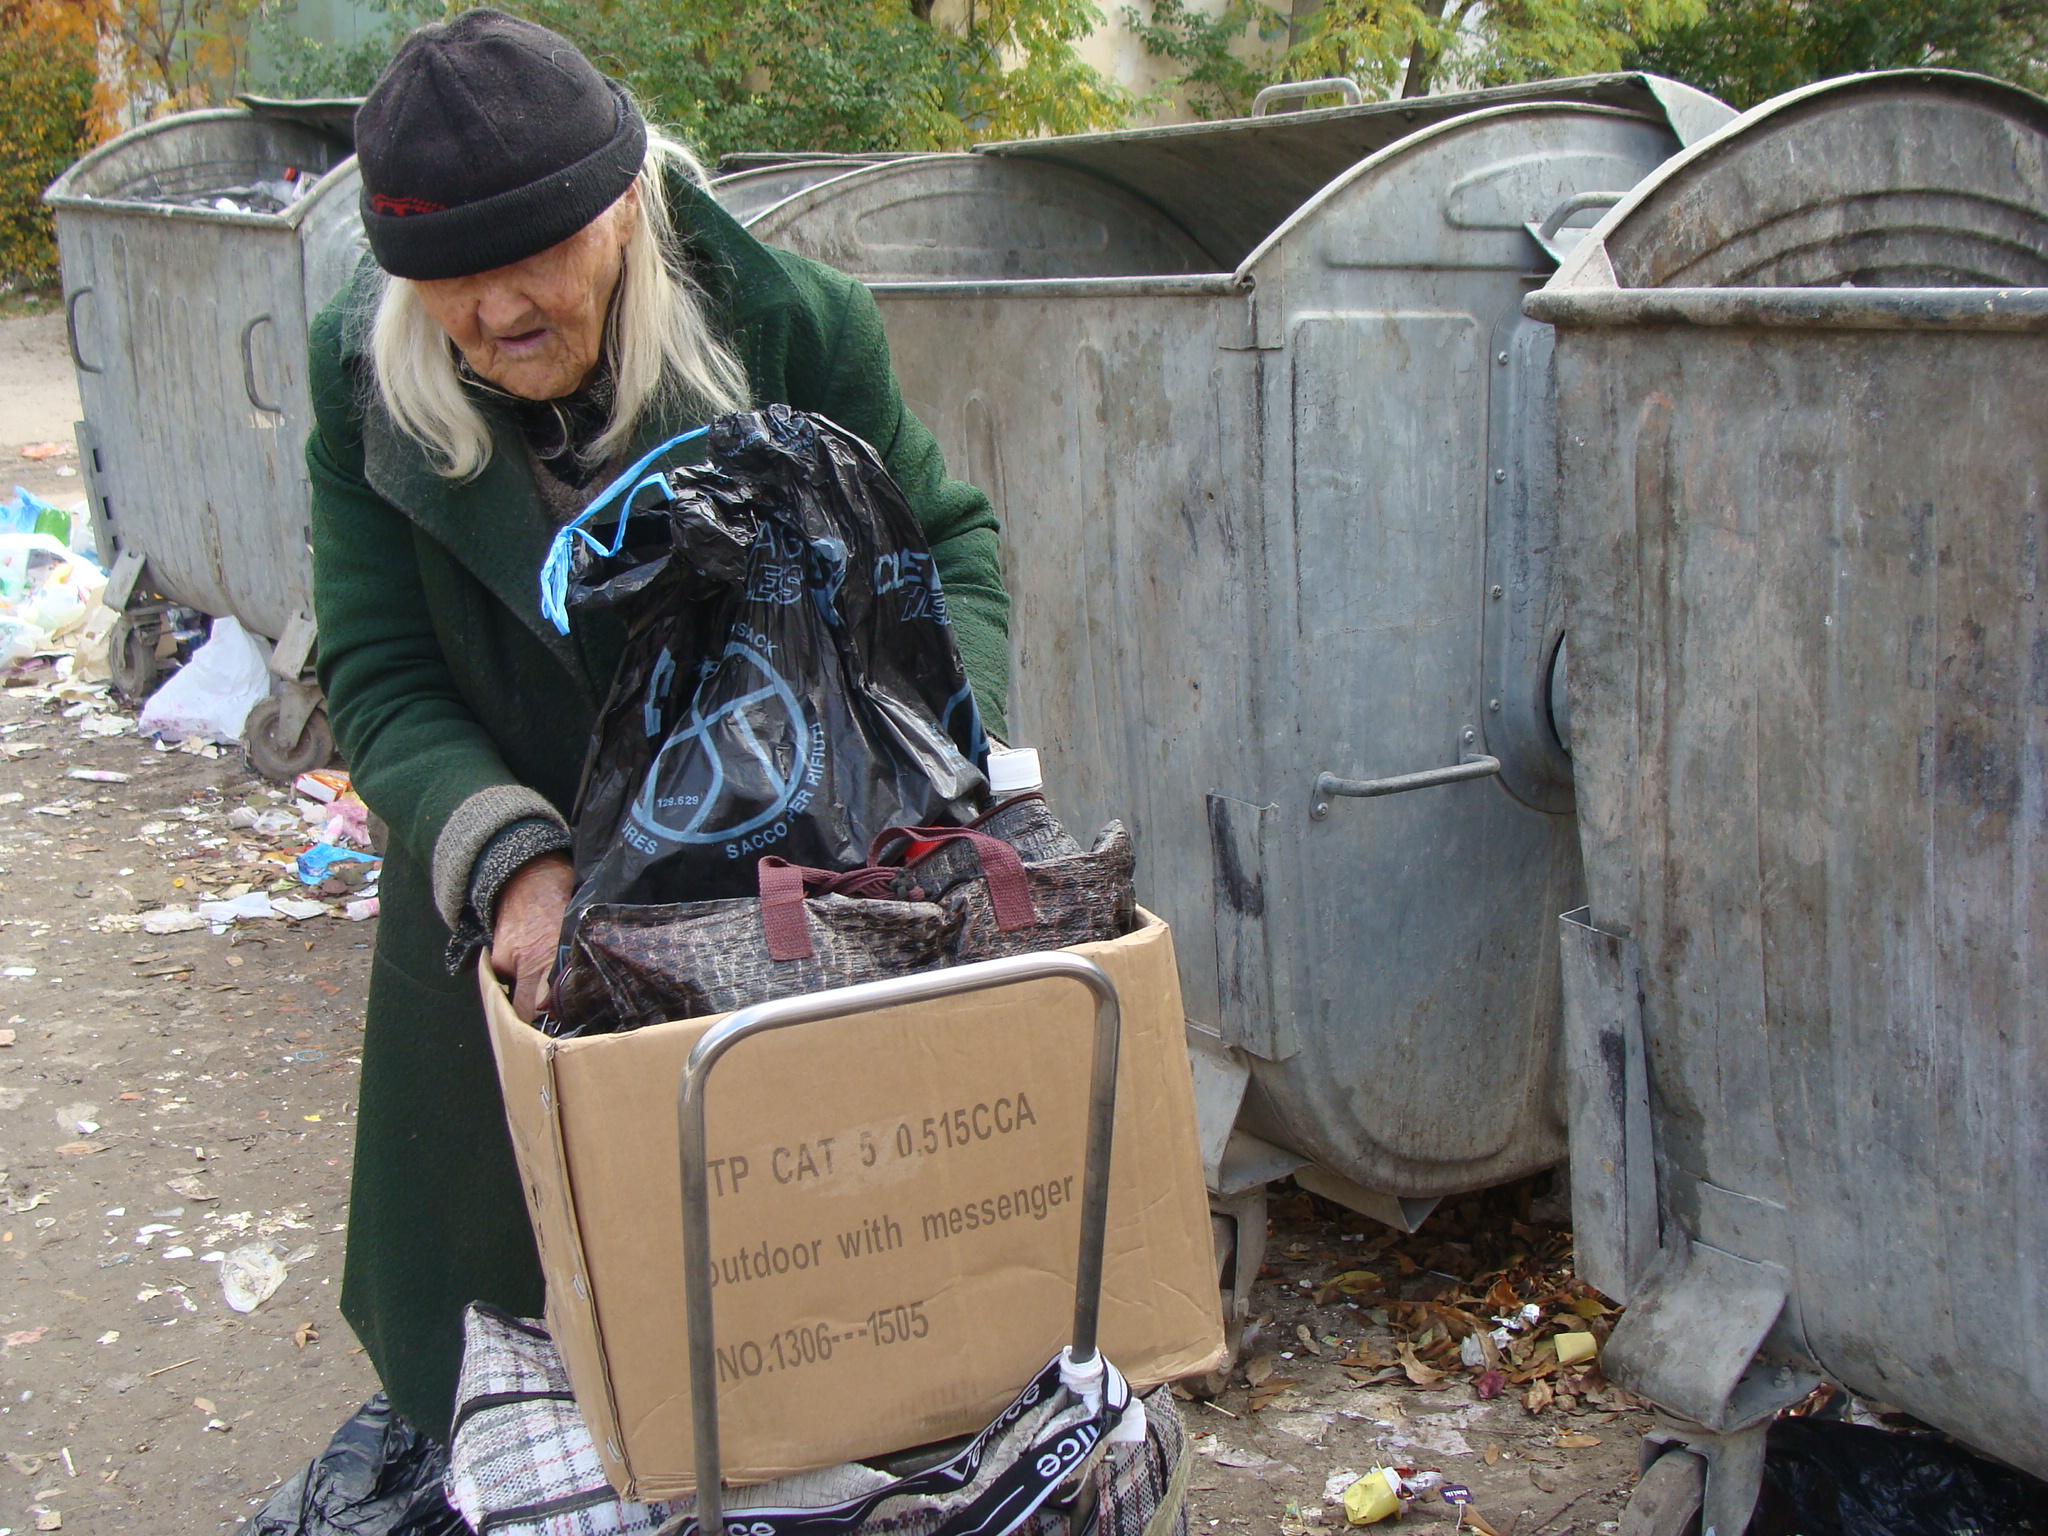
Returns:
(521, 1463)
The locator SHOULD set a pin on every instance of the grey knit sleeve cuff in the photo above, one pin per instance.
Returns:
(504, 856)
(469, 831)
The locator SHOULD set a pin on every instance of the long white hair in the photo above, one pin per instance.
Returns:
(662, 350)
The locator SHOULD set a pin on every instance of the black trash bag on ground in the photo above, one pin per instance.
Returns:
(378, 1477)
(791, 685)
(1826, 1478)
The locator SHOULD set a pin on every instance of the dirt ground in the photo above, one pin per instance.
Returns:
(166, 1100)
(131, 1397)
(38, 404)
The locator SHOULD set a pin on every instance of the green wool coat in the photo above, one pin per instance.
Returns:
(461, 711)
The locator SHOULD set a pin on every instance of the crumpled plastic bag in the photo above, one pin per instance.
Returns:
(378, 1477)
(792, 685)
(211, 695)
(1826, 1478)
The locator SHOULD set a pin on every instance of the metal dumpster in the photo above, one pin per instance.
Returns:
(1268, 435)
(188, 330)
(1804, 467)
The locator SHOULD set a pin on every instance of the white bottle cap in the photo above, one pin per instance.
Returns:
(1014, 770)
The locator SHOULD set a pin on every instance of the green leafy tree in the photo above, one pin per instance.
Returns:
(1399, 47)
(840, 75)
(47, 119)
(848, 75)
(1746, 51)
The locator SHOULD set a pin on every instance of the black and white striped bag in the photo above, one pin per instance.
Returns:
(521, 1463)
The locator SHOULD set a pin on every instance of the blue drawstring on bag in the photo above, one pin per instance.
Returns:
(554, 571)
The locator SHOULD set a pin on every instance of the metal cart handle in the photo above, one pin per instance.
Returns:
(846, 1002)
(1294, 90)
(249, 367)
(71, 331)
(1473, 765)
(1578, 202)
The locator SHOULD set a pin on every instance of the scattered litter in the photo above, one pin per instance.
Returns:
(249, 907)
(299, 908)
(7, 1037)
(251, 1274)
(271, 821)
(40, 451)
(325, 785)
(99, 776)
(111, 1336)
(1374, 1497)
(179, 1252)
(190, 1188)
(1311, 1427)
(27, 1466)
(165, 1370)
(1576, 1348)
(81, 1148)
(18, 970)
(172, 920)
(47, 1519)
(209, 698)
(79, 1117)
(357, 911)
(325, 860)
(26, 1337)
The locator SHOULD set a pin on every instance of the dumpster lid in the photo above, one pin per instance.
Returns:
(1831, 202)
(334, 116)
(1231, 183)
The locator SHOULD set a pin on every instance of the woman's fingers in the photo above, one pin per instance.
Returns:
(528, 927)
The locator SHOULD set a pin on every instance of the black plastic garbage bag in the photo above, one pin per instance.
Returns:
(378, 1477)
(791, 685)
(1825, 1478)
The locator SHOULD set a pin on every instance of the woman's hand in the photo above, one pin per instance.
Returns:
(529, 928)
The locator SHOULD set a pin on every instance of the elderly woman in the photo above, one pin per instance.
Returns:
(553, 294)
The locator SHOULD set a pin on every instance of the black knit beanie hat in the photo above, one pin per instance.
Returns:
(486, 140)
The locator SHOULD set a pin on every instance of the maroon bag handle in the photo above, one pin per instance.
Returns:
(783, 888)
(1009, 892)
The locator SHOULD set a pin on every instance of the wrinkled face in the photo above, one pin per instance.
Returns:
(536, 328)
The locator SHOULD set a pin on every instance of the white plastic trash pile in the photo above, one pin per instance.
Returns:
(50, 590)
(207, 700)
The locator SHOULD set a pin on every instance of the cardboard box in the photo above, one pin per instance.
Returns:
(894, 1217)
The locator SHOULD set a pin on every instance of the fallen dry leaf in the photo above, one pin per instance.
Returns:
(1492, 1454)
(1308, 1340)
(1577, 1442)
(1489, 1385)
(1538, 1397)
(305, 1334)
(1479, 1522)
(1542, 1480)
(1364, 1357)
(1420, 1374)
(204, 1405)
(81, 1148)
(1259, 1369)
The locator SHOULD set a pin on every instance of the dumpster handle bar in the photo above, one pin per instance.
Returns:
(71, 330)
(1578, 202)
(1294, 90)
(1473, 765)
(249, 367)
(845, 1002)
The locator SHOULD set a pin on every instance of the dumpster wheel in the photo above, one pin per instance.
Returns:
(1668, 1497)
(132, 662)
(279, 760)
